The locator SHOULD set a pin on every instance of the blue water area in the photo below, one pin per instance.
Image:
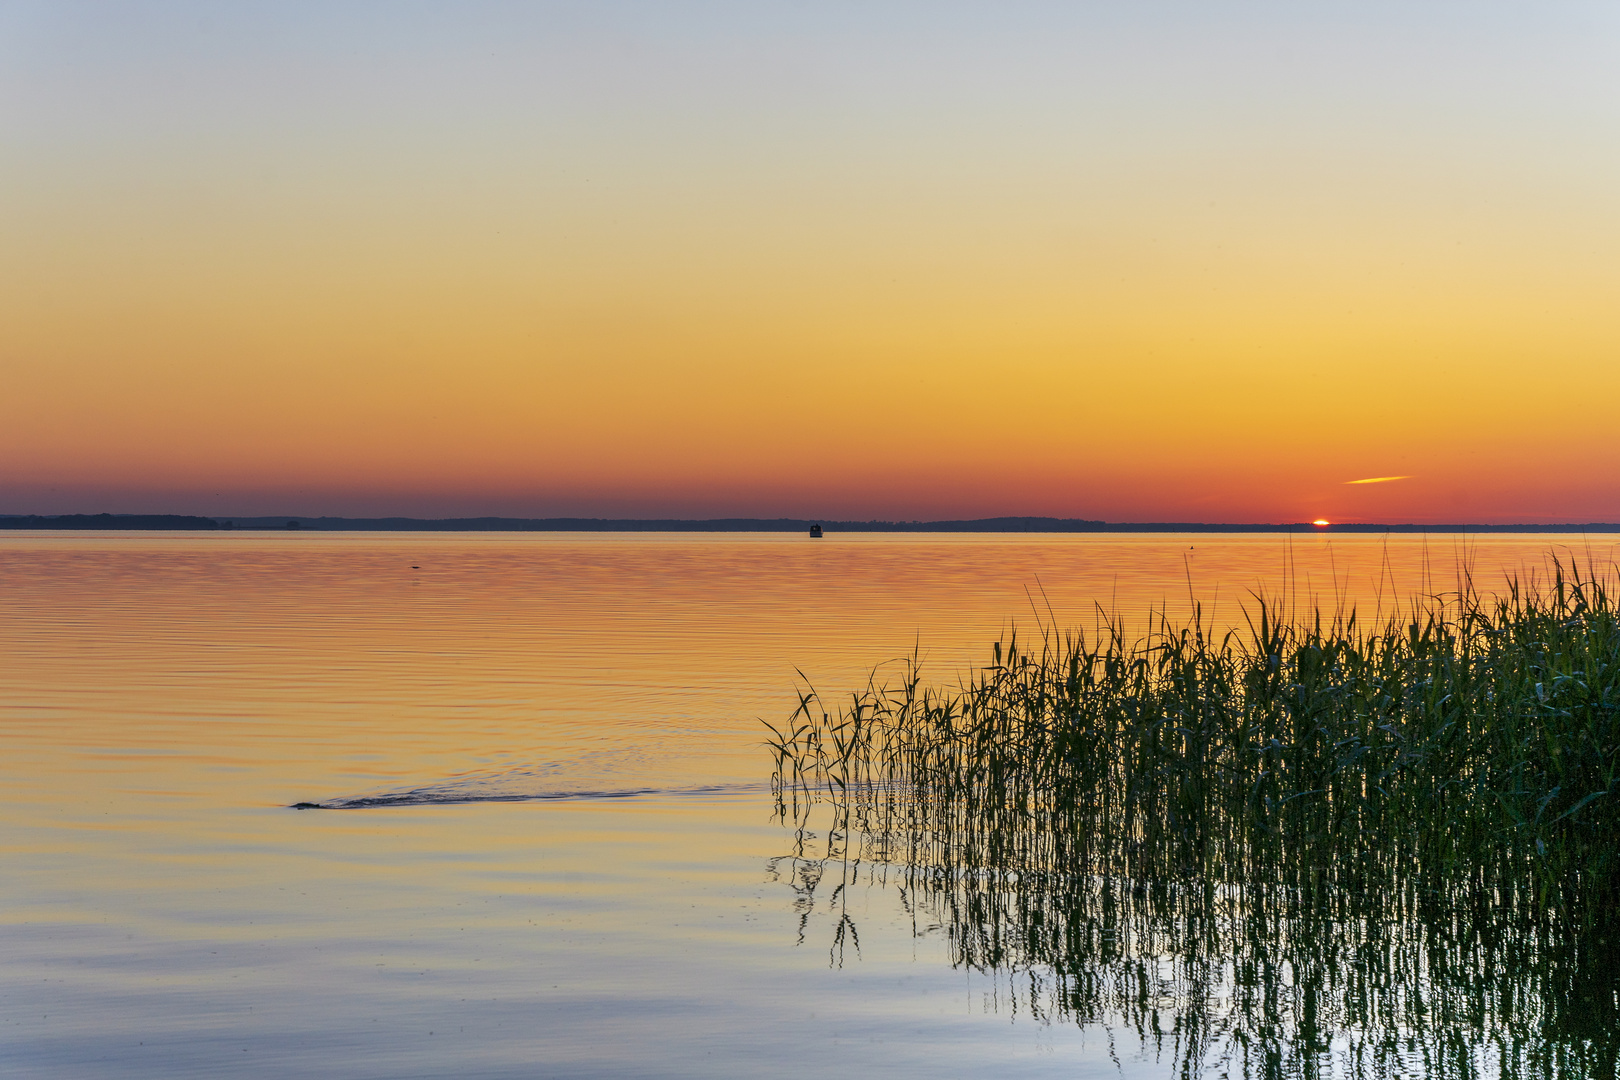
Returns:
(560, 853)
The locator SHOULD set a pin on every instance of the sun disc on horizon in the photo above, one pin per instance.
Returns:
(1321, 521)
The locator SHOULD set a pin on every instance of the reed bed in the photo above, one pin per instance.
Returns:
(1274, 835)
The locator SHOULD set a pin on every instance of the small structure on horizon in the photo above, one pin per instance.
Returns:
(815, 532)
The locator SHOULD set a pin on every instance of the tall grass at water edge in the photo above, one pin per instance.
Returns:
(1392, 844)
(1466, 738)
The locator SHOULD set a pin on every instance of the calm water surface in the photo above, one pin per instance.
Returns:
(580, 873)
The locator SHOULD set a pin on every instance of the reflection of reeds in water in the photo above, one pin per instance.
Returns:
(1314, 839)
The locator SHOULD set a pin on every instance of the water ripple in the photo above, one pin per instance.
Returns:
(440, 796)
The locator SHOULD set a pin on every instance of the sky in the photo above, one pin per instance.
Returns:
(1137, 262)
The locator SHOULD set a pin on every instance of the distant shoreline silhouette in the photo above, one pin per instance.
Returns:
(182, 522)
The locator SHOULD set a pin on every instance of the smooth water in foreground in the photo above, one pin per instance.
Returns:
(563, 859)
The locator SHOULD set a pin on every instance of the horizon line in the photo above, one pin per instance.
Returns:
(501, 523)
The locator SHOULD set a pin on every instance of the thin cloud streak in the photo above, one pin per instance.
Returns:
(1378, 480)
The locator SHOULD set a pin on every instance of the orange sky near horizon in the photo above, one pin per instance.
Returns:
(711, 260)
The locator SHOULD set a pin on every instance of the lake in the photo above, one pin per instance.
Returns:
(562, 857)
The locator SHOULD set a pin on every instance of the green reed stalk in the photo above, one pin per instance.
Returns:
(1469, 737)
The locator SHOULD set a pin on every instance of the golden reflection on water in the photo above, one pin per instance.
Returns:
(164, 697)
(287, 666)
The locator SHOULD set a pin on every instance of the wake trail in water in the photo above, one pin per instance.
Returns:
(446, 796)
